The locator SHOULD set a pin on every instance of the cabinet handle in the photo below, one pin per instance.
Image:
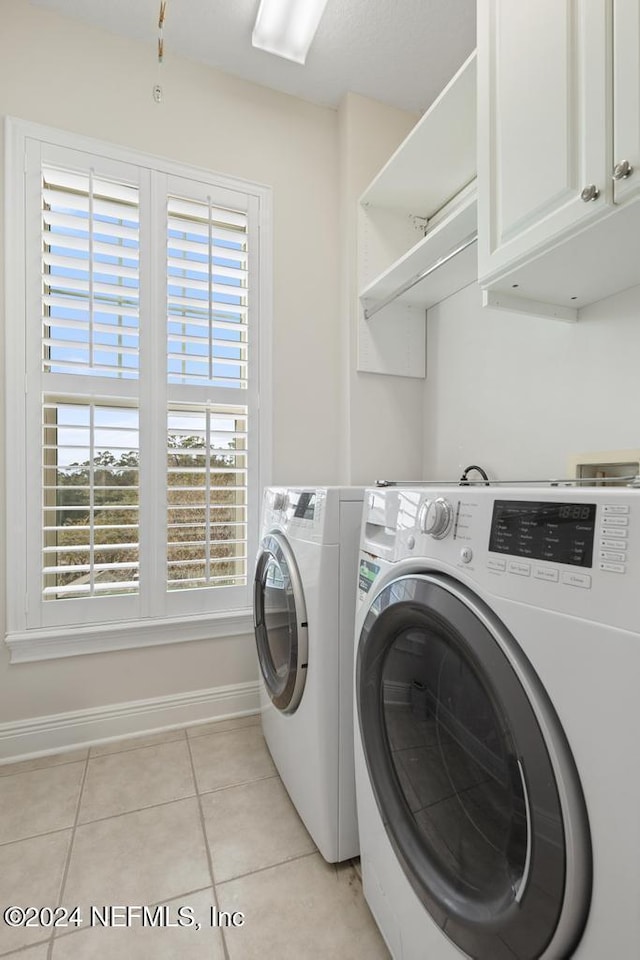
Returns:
(590, 192)
(622, 170)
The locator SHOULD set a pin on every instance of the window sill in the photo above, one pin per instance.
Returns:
(50, 644)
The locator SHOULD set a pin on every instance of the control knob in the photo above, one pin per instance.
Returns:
(436, 517)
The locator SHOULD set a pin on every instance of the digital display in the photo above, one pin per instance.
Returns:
(558, 532)
(306, 506)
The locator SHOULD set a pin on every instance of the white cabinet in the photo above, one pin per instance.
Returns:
(417, 225)
(626, 92)
(558, 108)
(543, 115)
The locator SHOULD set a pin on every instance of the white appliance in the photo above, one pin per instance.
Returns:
(496, 742)
(304, 609)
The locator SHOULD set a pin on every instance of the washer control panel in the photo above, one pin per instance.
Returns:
(563, 548)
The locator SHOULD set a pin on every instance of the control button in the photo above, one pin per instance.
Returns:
(615, 508)
(613, 544)
(612, 567)
(614, 532)
(615, 557)
(522, 569)
(466, 554)
(494, 564)
(546, 573)
(616, 521)
(577, 580)
(411, 542)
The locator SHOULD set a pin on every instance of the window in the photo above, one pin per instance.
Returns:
(136, 347)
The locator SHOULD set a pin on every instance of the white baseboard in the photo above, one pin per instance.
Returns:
(38, 736)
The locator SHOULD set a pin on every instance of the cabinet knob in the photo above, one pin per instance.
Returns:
(622, 170)
(590, 192)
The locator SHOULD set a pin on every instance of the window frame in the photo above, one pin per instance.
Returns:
(169, 616)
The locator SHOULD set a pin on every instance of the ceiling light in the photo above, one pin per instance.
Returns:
(287, 27)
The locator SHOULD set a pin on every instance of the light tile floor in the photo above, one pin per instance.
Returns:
(194, 818)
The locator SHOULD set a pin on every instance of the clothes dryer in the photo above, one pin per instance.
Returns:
(497, 664)
(304, 609)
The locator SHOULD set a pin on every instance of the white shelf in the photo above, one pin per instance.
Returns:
(438, 158)
(445, 274)
(430, 177)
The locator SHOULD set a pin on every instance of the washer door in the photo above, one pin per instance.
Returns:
(280, 623)
(484, 810)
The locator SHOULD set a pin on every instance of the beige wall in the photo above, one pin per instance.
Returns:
(59, 72)
(67, 75)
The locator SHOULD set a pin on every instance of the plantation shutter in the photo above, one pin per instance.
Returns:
(142, 495)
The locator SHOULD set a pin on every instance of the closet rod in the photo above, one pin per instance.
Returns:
(370, 312)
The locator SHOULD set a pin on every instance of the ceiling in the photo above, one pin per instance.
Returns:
(401, 52)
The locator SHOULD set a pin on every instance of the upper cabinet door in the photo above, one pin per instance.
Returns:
(626, 98)
(544, 124)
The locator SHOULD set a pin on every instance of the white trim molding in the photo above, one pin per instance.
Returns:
(38, 736)
(41, 624)
(52, 643)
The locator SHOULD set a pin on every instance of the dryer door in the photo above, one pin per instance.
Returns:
(280, 623)
(472, 773)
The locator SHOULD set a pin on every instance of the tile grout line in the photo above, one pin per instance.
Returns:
(49, 766)
(207, 848)
(34, 836)
(20, 950)
(151, 806)
(215, 733)
(271, 866)
(132, 747)
(65, 871)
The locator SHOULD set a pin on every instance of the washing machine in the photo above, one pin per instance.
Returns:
(304, 611)
(497, 667)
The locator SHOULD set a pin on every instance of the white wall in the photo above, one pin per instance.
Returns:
(518, 395)
(57, 71)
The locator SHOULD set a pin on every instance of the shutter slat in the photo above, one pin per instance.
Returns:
(78, 304)
(63, 245)
(115, 270)
(177, 305)
(116, 293)
(100, 347)
(81, 204)
(204, 323)
(73, 225)
(194, 268)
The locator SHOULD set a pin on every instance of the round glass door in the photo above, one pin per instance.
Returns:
(280, 623)
(468, 787)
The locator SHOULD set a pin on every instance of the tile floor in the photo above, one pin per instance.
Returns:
(191, 818)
